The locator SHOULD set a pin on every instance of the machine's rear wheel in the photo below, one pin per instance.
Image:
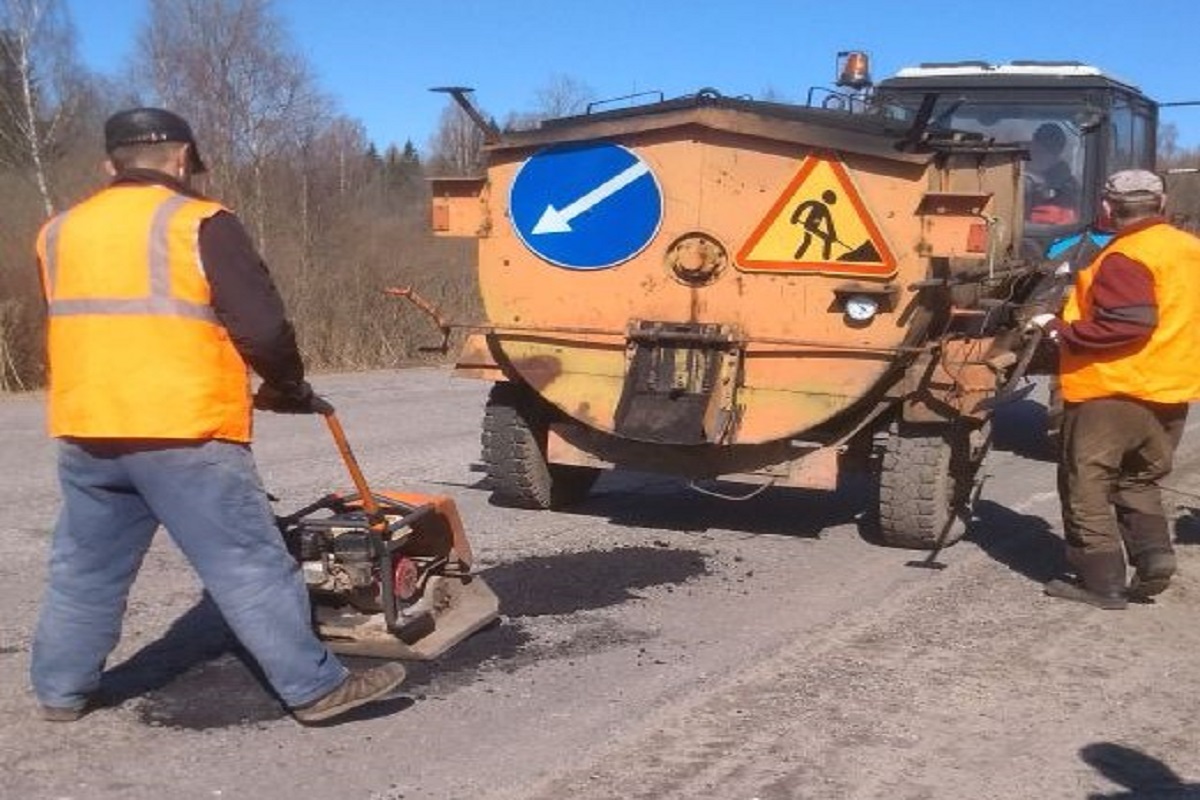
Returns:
(515, 424)
(925, 479)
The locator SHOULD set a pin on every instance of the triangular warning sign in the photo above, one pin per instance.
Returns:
(818, 224)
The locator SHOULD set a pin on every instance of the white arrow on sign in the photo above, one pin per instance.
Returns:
(554, 220)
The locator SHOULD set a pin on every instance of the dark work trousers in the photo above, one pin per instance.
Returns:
(1114, 452)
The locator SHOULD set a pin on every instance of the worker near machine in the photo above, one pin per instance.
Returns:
(1053, 189)
(1067, 255)
(1128, 341)
(157, 303)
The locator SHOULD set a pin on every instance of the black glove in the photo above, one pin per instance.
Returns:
(295, 398)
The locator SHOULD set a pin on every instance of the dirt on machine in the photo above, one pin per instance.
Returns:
(762, 293)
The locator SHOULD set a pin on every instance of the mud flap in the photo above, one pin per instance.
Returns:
(681, 383)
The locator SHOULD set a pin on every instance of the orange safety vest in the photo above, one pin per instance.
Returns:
(1165, 368)
(135, 348)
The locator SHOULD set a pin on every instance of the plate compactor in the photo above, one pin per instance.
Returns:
(389, 573)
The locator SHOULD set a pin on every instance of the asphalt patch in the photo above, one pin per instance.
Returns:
(198, 678)
(221, 693)
(571, 582)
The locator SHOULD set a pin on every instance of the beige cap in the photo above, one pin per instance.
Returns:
(1129, 183)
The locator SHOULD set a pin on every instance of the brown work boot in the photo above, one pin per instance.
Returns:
(1148, 542)
(52, 714)
(1152, 574)
(69, 713)
(1101, 580)
(358, 689)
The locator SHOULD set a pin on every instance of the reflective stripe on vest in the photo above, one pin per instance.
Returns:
(159, 302)
(135, 348)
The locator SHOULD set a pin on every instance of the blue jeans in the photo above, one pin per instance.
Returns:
(209, 497)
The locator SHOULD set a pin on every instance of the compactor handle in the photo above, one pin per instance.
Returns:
(374, 515)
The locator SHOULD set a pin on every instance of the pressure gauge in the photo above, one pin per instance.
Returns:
(861, 307)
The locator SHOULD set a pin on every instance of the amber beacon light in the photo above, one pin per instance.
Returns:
(854, 69)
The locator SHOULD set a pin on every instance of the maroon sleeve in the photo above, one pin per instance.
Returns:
(247, 302)
(1124, 310)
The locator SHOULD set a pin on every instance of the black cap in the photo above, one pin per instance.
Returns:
(147, 126)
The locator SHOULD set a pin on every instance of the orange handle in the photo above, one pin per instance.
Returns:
(356, 474)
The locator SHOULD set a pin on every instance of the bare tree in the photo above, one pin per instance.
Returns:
(1168, 142)
(772, 95)
(342, 220)
(457, 146)
(39, 87)
(563, 96)
(331, 165)
(1181, 166)
(228, 67)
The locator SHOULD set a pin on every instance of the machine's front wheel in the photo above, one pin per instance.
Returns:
(515, 425)
(924, 482)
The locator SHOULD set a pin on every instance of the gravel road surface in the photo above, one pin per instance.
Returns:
(655, 643)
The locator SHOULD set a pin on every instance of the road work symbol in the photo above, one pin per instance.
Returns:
(818, 224)
(585, 206)
(817, 221)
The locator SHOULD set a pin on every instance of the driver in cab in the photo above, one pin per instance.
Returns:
(1052, 191)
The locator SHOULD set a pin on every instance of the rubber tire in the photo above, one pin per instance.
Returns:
(923, 473)
(515, 424)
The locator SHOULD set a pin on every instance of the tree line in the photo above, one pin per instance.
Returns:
(336, 218)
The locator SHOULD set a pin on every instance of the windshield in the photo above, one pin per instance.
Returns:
(1054, 174)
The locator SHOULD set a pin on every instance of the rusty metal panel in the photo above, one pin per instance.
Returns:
(950, 223)
(476, 360)
(953, 382)
(459, 207)
(758, 120)
(804, 360)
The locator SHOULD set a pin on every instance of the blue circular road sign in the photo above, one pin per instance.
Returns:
(589, 205)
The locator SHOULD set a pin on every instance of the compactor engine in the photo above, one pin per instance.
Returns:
(389, 573)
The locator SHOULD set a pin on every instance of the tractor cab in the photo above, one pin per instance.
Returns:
(1078, 124)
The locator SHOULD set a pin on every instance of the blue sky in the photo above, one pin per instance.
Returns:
(378, 58)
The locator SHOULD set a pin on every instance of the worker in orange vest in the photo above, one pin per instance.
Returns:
(1128, 342)
(157, 303)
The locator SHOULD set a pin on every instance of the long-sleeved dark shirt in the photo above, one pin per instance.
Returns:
(1124, 308)
(244, 296)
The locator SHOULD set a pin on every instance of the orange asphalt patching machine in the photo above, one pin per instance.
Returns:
(389, 573)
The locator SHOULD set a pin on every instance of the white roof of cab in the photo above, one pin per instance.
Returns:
(928, 70)
(1066, 69)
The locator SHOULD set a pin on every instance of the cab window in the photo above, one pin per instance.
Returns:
(1054, 172)
(1130, 145)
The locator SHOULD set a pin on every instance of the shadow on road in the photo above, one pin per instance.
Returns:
(1187, 526)
(658, 502)
(1020, 428)
(196, 676)
(1144, 777)
(199, 636)
(1024, 543)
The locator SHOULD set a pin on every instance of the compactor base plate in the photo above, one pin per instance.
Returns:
(460, 608)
